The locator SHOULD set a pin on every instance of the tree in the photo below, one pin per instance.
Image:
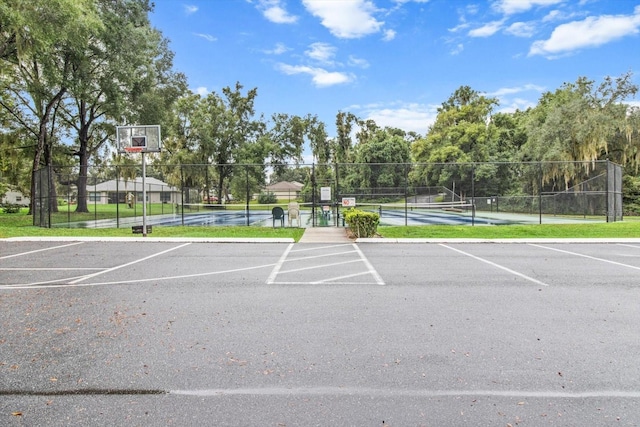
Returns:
(579, 124)
(224, 128)
(462, 134)
(38, 39)
(382, 162)
(115, 70)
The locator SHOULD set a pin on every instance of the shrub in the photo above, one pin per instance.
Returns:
(10, 208)
(267, 198)
(361, 223)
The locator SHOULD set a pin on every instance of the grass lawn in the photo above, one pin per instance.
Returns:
(19, 224)
(627, 228)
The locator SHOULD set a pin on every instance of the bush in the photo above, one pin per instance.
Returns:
(267, 198)
(361, 223)
(10, 208)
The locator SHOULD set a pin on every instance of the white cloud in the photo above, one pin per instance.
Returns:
(518, 89)
(358, 62)
(510, 7)
(389, 35)
(521, 29)
(590, 32)
(457, 49)
(319, 76)
(487, 30)
(347, 19)
(207, 37)
(275, 12)
(279, 49)
(321, 52)
(508, 104)
(202, 91)
(189, 9)
(406, 116)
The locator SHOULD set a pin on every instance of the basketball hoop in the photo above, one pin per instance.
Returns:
(133, 149)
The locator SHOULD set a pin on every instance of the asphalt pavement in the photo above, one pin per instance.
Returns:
(192, 333)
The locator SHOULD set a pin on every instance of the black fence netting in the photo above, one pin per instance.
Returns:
(403, 194)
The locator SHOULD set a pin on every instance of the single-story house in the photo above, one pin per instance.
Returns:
(15, 197)
(117, 190)
(285, 190)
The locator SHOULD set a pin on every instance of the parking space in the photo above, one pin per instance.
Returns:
(447, 333)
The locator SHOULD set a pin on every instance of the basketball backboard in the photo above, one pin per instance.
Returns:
(138, 139)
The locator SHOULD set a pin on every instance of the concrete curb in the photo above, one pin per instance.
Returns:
(151, 239)
(528, 240)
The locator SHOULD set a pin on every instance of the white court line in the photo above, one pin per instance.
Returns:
(586, 256)
(379, 392)
(272, 277)
(524, 276)
(117, 267)
(40, 250)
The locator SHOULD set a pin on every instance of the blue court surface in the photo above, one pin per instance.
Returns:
(169, 332)
(388, 217)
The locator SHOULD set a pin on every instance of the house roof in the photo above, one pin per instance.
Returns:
(285, 186)
(152, 184)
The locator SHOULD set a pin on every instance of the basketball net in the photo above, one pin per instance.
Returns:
(133, 149)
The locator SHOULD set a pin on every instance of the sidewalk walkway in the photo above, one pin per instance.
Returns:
(325, 235)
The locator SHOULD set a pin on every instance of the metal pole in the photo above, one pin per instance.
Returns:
(540, 196)
(144, 198)
(248, 195)
(473, 194)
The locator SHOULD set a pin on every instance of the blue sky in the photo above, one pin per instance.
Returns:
(397, 61)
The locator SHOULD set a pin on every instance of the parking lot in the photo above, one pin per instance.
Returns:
(206, 333)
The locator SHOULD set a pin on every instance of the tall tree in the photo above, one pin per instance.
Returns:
(224, 127)
(582, 122)
(39, 37)
(110, 77)
(461, 134)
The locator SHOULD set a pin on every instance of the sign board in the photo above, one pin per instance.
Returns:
(325, 193)
(348, 202)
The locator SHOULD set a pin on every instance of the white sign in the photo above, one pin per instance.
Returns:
(325, 193)
(348, 202)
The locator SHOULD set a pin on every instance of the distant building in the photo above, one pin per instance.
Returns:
(285, 190)
(15, 197)
(115, 191)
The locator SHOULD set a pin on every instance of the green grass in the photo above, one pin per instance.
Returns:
(19, 224)
(627, 228)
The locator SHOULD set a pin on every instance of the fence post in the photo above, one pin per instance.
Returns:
(248, 194)
(540, 195)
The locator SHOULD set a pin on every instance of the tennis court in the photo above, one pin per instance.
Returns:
(274, 333)
(391, 214)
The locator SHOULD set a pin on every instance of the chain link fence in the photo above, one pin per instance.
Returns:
(403, 194)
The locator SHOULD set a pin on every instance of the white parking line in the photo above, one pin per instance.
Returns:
(117, 267)
(629, 246)
(40, 250)
(278, 269)
(586, 256)
(372, 270)
(524, 276)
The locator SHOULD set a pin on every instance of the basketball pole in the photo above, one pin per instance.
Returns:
(144, 197)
